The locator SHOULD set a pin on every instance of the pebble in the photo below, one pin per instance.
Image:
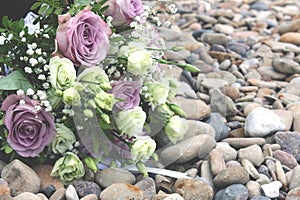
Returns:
(253, 188)
(193, 189)
(262, 122)
(290, 37)
(271, 190)
(84, 188)
(285, 158)
(295, 178)
(231, 175)
(289, 142)
(27, 196)
(218, 123)
(118, 191)
(59, 194)
(286, 66)
(113, 175)
(71, 193)
(248, 152)
(228, 152)
(147, 186)
(232, 192)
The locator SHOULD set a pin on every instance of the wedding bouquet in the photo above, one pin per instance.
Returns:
(83, 84)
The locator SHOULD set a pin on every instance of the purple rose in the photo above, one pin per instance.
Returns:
(123, 11)
(83, 38)
(129, 91)
(30, 128)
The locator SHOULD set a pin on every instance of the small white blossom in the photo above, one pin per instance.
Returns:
(42, 77)
(48, 109)
(26, 58)
(42, 94)
(46, 36)
(46, 67)
(22, 33)
(38, 71)
(172, 8)
(29, 52)
(23, 39)
(30, 91)
(34, 45)
(41, 60)
(22, 102)
(35, 97)
(33, 62)
(37, 108)
(38, 51)
(46, 86)
(10, 36)
(21, 58)
(20, 92)
(45, 103)
(133, 24)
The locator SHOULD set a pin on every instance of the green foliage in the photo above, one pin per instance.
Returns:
(14, 81)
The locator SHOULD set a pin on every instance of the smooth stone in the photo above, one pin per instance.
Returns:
(244, 142)
(217, 162)
(285, 47)
(289, 142)
(232, 92)
(206, 18)
(228, 152)
(44, 171)
(271, 190)
(196, 127)
(250, 168)
(293, 87)
(229, 176)
(248, 152)
(188, 149)
(233, 192)
(84, 188)
(286, 66)
(262, 122)
(289, 26)
(259, 6)
(118, 191)
(59, 194)
(238, 48)
(253, 188)
(147, 186)
(224, 28)
(293, 194)
(90, 197)
(210, 83)
(263, 179)
(185, 89)
(295, 109)
(221, 103)
(218, 123)
(285, 158)
(204, 56)
(20, 178)
(269, 71)
(291, 37)
(164, 196)
(71, 193)
(4, 189)
(295, 178)
(214, 38)
(113, 175)
(48, 191)
(193, 189)
(42, 196)
(250, 107)
(260, 198)
(206, 172)
(286, 116)
(233, 163)
(195, 109)
(27, 196)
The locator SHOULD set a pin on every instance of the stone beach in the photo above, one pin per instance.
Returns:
(243, 113)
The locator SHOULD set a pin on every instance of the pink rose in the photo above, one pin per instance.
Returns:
(83, 38)
(123, 11)
(129, 91)
(30, 128)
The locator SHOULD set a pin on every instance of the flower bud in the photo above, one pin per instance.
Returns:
(88, 113)
(91, 163)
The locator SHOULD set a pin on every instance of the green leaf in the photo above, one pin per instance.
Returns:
(82, 2)
(35, 5)
(14, 81)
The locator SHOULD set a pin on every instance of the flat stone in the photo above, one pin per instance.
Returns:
(271, 190)
(291, 37)
(71, 193)
(214, 38)
(59, 194)
(148, 187)
(196, 127)
(295, 178)
(20, 178)
(231, 175)
(218, 123)
(193, 189)
(289, 142)
(289, 26)
(217, 161)
(248, 152)
(286, 66)
(188, 149)
(26, 195)
(293, 87)
(234, 191)
(244, 142)
(253, 188)
(262, 122)
(285, 158)
(228, 152)
(118, 191)
(293, 194)
(113, 175)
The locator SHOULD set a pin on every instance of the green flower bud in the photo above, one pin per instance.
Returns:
(142, 168)
(58, 92)
(91, 163)
(155, 92)
(105, 118)
(71, 96)
(175, 129)
(177, 110)
(104, 100)
(92, 103)
(142, 148)
(88, 113)
(68, 168)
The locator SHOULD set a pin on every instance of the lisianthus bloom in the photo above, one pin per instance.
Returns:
(123, 12)
(138, 61)
(30, 127)
(94, 79)
(71, 96)
(155, 92)
(64, 139)
(83, 38)
(131, 122)
(142, 148)
(68, 168)
(175, 128)
(128, 91)
(62, 73)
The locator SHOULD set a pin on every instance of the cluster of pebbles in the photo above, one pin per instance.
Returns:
(243, 113)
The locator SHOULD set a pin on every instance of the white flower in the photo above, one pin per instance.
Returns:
(33, 62)
(20, 92)
(23, 39)
(30, 91)
(139, 60)
(175, 128)
(142, 148)
(22, 33)
(38, 51)
(28, 70)
(29, 52)
(10, 36)
(42, 77)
